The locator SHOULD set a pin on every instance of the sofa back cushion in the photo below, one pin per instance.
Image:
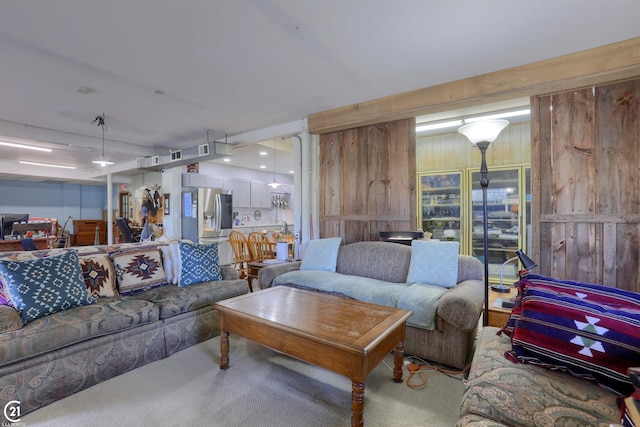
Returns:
(375, 260)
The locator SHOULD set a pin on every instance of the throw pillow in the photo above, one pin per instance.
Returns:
(434, 263)
(98, 274)
(138, 270)
(587, 330)
(5, 298)
(199, 263)
(321, 254)
(43, 286)
(168, 263)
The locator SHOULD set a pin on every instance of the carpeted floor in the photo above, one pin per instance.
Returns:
(261, 388)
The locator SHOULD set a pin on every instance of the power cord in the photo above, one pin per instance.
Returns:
(417, 371)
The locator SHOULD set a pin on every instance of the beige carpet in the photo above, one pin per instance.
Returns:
(261, 388)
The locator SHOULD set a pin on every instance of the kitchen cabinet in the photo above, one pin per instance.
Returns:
(508, 204)
(197, 180)
(441, 196)
(260, 195)
(240, 190)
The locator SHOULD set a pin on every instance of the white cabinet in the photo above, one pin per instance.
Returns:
(240, 190)
(260, 195)
(197, 180)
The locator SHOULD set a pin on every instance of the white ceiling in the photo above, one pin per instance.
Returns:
(233, 67)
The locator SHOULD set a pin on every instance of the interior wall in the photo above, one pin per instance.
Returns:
(367, 181)
(586, 198)
(53, 200)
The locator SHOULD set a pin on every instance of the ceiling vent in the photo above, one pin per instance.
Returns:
(176, 155)
(148, 162)
(203, 149)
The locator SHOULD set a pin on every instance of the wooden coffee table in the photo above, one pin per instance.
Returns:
(343, 335)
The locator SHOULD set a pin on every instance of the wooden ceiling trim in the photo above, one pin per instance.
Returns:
(610, 63)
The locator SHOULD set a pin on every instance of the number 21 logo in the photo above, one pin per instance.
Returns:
(12, 411)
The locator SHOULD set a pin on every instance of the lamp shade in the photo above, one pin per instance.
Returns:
(483, 131)
(527, 263)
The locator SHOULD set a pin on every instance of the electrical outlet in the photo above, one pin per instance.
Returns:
(297, 236)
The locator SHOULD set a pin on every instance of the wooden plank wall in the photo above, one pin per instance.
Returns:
(586, 184)
(453, 151)
(367, 181)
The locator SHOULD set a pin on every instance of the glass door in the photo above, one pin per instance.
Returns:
(440, 205)
(505, 236)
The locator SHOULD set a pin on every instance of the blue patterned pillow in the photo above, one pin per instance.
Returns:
(321, 254)
(43, 286)
(199, 263)
(434, 263)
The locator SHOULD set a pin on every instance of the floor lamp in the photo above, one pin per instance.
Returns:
(481, 134)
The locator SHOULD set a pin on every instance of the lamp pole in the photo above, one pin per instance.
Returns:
(484, 183)
(481, 134)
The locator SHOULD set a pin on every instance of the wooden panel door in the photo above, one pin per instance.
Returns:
(586, 206)
(367, 181)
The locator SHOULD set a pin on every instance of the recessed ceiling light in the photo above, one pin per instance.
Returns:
(84, 90)
(291, 172)
(48, 165)
(226, 159)
(263, 153)
(263, 167)
(26, 147)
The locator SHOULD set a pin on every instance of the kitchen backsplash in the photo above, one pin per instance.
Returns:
(262, 217)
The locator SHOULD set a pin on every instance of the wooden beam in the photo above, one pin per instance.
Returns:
(614, 62)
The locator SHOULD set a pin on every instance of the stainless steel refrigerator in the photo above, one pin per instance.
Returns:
(205, 213)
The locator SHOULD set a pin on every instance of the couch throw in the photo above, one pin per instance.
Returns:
(421, 299)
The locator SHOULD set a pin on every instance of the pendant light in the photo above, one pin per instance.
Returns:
(102, 160)
(274, 183)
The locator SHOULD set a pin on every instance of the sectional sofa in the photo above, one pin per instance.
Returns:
(140, 306)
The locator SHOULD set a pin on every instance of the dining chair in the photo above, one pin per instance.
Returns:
(241, 254)
(261, 247)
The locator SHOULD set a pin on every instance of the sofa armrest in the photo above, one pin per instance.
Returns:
(267, 274)
(9, 319)
(461, 306)
(228, 272)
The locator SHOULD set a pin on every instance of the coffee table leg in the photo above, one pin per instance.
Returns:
(357, 404)
(398, 358)
(224, 349)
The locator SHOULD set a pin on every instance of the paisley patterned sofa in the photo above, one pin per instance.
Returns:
(502, 393)
(62, 353)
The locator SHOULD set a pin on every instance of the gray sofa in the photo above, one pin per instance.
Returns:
(499, 392)
(60, 354)
(386, 265)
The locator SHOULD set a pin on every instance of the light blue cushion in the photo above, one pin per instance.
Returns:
(434, 263)
(321, 254)
(43, 286)
(422, 300)
(199, 263)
